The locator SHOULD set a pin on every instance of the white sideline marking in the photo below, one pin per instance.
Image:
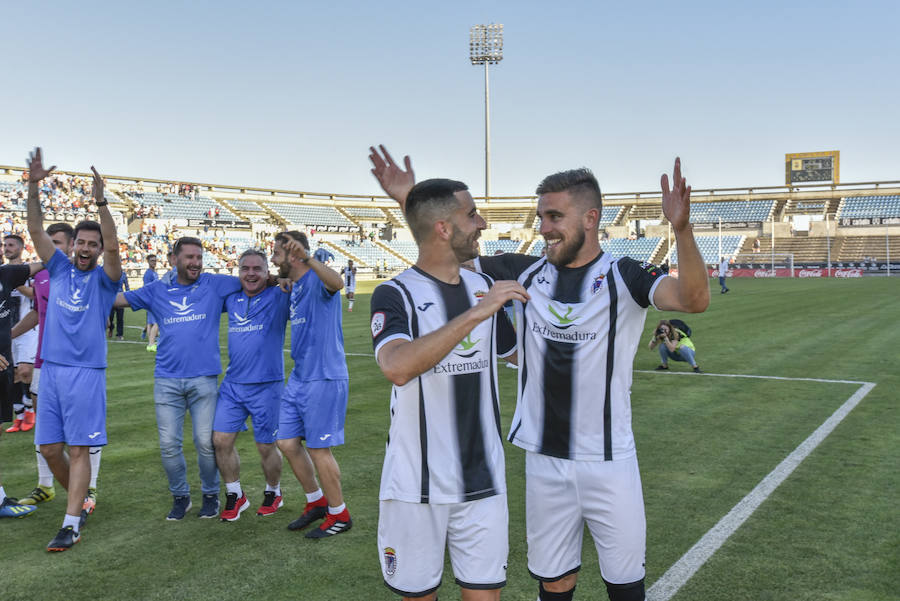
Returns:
(682, 570)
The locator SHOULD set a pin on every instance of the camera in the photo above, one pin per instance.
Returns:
(660, 332)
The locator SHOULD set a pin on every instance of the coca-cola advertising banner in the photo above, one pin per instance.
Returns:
(785, 272)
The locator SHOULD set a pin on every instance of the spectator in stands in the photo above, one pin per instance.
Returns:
(673, 344)
(756, 245)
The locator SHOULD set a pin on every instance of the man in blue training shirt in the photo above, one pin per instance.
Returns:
(73, 391)
(253, 383)
(314, 404)
(188, 307)
(152, 328)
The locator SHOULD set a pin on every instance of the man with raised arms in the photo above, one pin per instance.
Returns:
(188, 308)
(314, 404)
(253, 383)
(582, 327)
(72, 410)
(436, 332)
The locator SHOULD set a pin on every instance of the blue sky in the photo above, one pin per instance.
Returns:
(291, 94)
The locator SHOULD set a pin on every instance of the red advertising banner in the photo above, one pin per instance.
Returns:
(784, 272)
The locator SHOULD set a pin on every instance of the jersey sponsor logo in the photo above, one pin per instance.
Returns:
(75, 300)
(390, 561)
(598, 284)
(466, 345)
(182, 308)
(378, 321)
(462, 359)
(184, 313)
(244, 324)
(566, 320)
(649, 268)
(424, 307)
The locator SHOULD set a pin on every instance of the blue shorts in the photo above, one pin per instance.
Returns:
(151, 319)
(314, 410)
(259, 401)
(72, 407)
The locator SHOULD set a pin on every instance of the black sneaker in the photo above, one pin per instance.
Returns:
(180, 506)
(333, 524)
(310, 514)
(64, 540)
(662, 367)
(210, 508)
(697, 370)
(83, 519)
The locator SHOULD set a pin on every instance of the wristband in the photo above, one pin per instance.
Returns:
(102, 204)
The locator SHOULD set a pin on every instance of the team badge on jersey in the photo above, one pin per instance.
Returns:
(650, 268)
(598, 284)
(480, 295)
(390, 561)
(377, 323)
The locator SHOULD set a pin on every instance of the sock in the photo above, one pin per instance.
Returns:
(351, 305)
(276, 488)
(72, 520)
(312, 497)
(2, 494)
(336, 510)
(19, 410)
(233, 487)
(45, 475)
(95, 465)
(26, 398)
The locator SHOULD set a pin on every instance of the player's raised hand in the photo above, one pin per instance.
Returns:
(36, 171)
(295, 249)
(676, 204)
(98, 186)
(500, 293)
(395, 181)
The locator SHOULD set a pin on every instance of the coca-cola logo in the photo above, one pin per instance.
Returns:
(763, 273)
(848, 273)
(810, 273)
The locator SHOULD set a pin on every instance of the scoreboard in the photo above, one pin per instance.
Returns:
(809, 167)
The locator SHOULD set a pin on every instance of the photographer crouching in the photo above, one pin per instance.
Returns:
(674, 343)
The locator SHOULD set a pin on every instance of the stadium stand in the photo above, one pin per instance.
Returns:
(709, 248)
(869, 206)
(748, 210)
(490, 247)
(311, 216)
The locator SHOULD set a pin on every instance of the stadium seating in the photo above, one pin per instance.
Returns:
(175, 206)
(490, 247)
(405, 248)
(372, 255)
(748, 210)
(709, 248)
(641, 249)
(366, 213)
(869, 206)
(310, 216)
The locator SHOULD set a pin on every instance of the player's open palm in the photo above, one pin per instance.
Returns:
(676, 203)
(395, 181)
(36, 171)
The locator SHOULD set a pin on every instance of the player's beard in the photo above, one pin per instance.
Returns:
(91, 262)
(567, 250)
(464, 247)
(284, 270)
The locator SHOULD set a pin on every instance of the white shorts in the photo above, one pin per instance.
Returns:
(561, 495)
(349, 289)
(24, 348)
(412, 536)
(35, 380)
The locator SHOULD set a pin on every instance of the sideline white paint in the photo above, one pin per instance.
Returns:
(682, 570)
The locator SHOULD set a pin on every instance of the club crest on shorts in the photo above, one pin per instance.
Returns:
(390, 561)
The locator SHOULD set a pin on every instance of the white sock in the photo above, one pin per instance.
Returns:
(45, 475)
(72, 520)
(95, 465)
(2, 494)
(276, 488)
(233, 487)
(351, 305)
(338, 509)
(18, 410)
(312, 497)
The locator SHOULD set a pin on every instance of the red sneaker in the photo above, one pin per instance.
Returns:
(234, 506)
(312, 512)
(16, 427)
(335, 523)
(271, 503)
(28, 422)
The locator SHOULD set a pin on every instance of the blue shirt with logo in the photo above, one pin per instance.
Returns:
(256, 329)
(150, 276)
(317, 341)
(188, 318)
(77, 310)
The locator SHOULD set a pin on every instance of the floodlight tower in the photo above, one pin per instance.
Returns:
(486, 48)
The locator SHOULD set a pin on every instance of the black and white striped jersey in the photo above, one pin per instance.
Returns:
(445, 443)
(577, 337)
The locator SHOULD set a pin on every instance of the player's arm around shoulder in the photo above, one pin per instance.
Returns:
(403, 360)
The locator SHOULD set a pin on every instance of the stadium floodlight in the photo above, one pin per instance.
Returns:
(486, 48)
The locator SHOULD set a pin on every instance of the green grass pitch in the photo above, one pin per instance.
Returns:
(829, 532)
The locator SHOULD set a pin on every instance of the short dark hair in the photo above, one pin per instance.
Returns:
(186, 240)
(580, 183)
(89, 226)
(254, 252)
(15, 237)
(429, 201)
(55, 228)
(151, 256)
(294, 234)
